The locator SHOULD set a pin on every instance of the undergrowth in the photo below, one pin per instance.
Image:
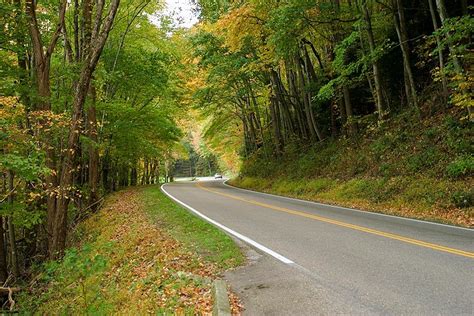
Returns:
(141, 254)
(405, 166)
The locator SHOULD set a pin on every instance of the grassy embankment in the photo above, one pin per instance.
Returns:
(140, 254)
(420, 169)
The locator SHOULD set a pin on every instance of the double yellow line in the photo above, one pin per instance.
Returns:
(347, 225)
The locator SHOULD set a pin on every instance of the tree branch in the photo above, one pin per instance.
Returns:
(57, 32)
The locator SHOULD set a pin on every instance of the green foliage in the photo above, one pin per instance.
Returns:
(423, 160)
(79, 273)
(288, 24)
(28, 168)
(463, 199)
(456, 34)
(461, 167)
(458, 135)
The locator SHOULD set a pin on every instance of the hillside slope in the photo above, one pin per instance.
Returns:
(420, 168)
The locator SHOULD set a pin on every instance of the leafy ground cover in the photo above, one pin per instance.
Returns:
(140, 254)
(409, 167)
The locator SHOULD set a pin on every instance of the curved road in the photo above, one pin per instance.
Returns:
(330, 260)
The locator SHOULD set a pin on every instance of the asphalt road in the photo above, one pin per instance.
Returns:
(329, 260)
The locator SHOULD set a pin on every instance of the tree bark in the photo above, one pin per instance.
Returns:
(93, 150)
(381, 108)
(59, 229)
(276, 126)
(440, 51)
(400, 27)
(443, 14)
(348, 109)
(11, 227)
(3, 254)
(306, 101)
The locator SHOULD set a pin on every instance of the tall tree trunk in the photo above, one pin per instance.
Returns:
(311, 78)
(3, 254)
(276, 125)
(134, 175)
(93, 150)
(306, 101)
(440, 51)
(443, 14)
(82, 87)
(256, 111)
(158, 171)
(400, 27)
(369, 79)
(457, 63)
(348, 109)
(3, 245)
(145, 172)
(11, 227)
(381, 108)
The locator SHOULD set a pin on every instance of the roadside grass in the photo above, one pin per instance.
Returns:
(140, 254)
(420, 198)
(197, 235)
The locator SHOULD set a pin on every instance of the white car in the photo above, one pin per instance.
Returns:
(217, 176)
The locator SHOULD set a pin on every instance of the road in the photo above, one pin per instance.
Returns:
(321, 259)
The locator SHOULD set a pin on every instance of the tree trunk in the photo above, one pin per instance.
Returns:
(400, 27)
(59, 228)
(440, 52)
(351, 125)
(93, 150)
(145, 172)
(381, 109)
(306, 101)
(3, 255)
(3, 245)
(443, 14)
(134, 176)
(11, 227)
(276, 126)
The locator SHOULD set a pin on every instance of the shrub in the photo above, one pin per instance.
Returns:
(424, 159)
(380, 146)
(459, 135)
(463, 166)
(432, 133)
(463, 198)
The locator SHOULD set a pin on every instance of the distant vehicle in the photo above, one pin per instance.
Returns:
(217, 176)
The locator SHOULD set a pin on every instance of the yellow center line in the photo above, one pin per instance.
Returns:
(347, 225)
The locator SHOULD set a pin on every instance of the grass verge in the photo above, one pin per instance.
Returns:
(140, 254)
(420, 198)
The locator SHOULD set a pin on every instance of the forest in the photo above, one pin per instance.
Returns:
(96, 96)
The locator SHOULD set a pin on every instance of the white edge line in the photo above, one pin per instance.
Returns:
(350, 209)
(230, 231)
